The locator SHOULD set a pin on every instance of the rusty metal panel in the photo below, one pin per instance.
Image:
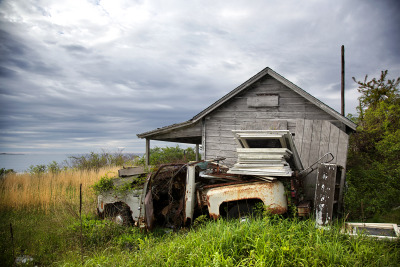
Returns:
(272, 194)
(149, 210)
(190, 193)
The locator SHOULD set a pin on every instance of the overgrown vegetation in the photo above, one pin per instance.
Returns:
(374, 155)
(86, 162)
(104, 184)
(164, 155)
(95, 161)
(4, 172)
(268, 241)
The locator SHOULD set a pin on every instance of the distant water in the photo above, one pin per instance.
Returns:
(21, 162)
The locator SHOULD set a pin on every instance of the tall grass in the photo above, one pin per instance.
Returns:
(259, 242)
(46, 191)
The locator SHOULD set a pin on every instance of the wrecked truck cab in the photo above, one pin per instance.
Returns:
(176, 194)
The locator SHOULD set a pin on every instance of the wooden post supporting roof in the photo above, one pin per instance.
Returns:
(197, 152)
(147, 151)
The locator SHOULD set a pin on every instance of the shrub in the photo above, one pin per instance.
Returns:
(95, 161)
(374, 150)
(53, 167)
(164, 155)
(104, 184)
(4, 171)
(37, 170)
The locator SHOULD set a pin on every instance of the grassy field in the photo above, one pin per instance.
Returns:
(48, 191)
(43, 213)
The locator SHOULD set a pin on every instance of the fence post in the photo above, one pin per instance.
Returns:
(80, 216)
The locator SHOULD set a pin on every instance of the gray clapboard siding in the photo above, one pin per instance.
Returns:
(222, 146)
(263, 101)
(270, 114)
(306, 142)
(264, 125)
(315, 141)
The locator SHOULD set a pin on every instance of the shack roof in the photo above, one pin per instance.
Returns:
(244, 86)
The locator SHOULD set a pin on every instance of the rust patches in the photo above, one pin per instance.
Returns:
(231, 183)
(277, 210)
(214, 216)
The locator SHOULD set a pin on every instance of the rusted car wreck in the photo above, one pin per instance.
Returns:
(176, 194)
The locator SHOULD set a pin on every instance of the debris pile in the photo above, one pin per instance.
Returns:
(167, 187)
(265, 153)
(263, 162)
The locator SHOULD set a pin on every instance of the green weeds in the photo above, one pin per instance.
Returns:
(265, 241)
(104, 184)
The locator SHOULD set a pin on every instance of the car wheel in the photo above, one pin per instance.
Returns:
(119, 213)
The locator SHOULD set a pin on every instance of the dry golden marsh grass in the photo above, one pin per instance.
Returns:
(47, 191)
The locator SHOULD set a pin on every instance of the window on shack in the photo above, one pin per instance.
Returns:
(264, 143)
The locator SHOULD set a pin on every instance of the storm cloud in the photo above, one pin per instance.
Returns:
(79, 76)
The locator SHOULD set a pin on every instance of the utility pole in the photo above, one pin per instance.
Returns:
(342, 84)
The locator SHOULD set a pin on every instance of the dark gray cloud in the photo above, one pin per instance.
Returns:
(79, 76)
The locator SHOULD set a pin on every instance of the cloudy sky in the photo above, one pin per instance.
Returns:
(81, 76)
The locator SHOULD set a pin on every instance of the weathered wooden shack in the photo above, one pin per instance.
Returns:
(267, 101)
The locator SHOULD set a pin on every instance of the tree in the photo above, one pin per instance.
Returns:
(374, 151)
(375, 91)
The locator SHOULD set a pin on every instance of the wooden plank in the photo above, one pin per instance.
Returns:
(269, 81)
(222, 133)
(218, 146)
(324, 140)
(147, 152)
(342, 149)
(130, 171)
(306, 145)
(334, 142)
(228, 125)
(283, 93)
(292, 101)
(263, 101)
(315, 142)
(325, 193)
(298, 137)
(264, 125)
(271, 113)
(203, 138)
(220, 140)
(341, 160)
